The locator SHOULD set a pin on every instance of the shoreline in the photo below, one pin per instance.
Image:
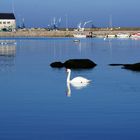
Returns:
(60, 33)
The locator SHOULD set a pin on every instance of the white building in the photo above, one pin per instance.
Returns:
(7, 22)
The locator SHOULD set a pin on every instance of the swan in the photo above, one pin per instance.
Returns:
(76, 80)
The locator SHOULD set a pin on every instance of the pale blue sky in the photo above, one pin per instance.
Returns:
(39, 13)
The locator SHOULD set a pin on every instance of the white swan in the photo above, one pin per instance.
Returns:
(76, 80)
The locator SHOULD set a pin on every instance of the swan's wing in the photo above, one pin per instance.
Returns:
(79, 85)
(79, 79)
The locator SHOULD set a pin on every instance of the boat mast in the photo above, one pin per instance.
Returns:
(13, 8)
(110, 22)
(66, 22)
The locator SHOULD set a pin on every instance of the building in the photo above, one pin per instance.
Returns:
(7, 22)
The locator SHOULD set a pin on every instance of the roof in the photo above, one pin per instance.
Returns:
(7, 16)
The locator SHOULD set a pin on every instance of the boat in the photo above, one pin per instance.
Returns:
(123, 35)
(80, 30)
(111, 36)
(135, 36)
(79, 35)
(76, 40)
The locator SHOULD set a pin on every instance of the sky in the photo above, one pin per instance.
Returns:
(40, 13)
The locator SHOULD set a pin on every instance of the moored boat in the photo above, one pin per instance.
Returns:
(135, 36)
(79, 35)
(123, 35)
(76, 40)
(111, 36)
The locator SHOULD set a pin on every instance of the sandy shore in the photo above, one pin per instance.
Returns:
(45, 33)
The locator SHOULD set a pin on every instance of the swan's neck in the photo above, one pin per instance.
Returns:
(68, 77)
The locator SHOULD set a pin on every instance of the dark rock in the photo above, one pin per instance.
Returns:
(116, 64)
(74, 64)
(79, 64)
(57, 65)
(134, 67)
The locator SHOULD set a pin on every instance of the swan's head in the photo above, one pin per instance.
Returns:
(68, 70)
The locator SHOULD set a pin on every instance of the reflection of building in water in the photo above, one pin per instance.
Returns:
(7, 54)
(7, 50)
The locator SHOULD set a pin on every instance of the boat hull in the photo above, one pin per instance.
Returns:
(79, 36)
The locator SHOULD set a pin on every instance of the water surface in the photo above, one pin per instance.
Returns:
(36, 104)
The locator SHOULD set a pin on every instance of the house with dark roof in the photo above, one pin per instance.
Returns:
(7, 22)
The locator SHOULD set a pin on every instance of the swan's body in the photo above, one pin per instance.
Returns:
(79, 79)
(75, 80)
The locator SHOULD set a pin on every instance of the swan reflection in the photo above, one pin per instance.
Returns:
(68, 90)
(77, 86)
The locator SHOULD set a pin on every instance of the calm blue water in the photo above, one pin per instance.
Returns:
(35, 103)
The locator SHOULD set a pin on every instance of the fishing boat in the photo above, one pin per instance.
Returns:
(76, 40)
(123, 35)
(111, 36)
(135, 36)
(79, 35)
(80, 30)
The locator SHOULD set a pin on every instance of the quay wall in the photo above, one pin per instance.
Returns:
(45, 33)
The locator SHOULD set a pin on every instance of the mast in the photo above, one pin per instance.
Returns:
(66, 22)
(13, 8)
(110, 22)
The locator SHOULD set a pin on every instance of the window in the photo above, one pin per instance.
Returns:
(4, 22)
(0, 22)
(8, 22)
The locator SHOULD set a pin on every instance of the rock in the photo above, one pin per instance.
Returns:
(79, 64)
(57, 65)
(116, 64)
(74, 64)
(134, 67)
